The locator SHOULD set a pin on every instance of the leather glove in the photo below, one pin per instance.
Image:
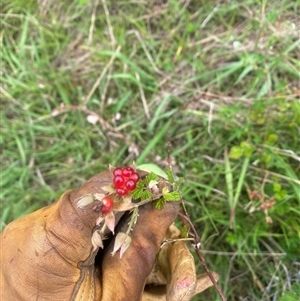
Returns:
(173, 276)
(56, 253)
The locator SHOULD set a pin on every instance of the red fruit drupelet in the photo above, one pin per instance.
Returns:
(121, 191)
(127, 171)
(130, 185)
(107, 204)
(135, 177)
(118, 171)
(118, 181)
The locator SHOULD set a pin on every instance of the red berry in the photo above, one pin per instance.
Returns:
(107, 204)
(135, 177)
(118, 181)
(130, 185)
(121, 191)
(117, 171)
(127, 171)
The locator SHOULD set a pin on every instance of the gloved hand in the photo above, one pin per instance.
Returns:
(56, 252)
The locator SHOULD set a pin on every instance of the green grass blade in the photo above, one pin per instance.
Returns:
(152, 143)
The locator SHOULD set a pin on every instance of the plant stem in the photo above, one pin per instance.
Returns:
(133, 219)
(196, 246)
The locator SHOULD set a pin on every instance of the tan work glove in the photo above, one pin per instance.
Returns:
(56, 252)
(174, 274)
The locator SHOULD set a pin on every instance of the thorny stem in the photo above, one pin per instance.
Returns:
(135, 212)
(200, 256)
(133, 219)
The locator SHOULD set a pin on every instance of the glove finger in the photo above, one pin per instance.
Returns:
(182, 280)
(176, 263)
(158, 293)
(138, 260)
(175, 268)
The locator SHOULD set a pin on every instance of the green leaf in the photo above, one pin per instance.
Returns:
(138, 192)
(236, 152)
(170, 175)
(172, 196)
(151, 177)
(276, 187)
(280, 194)
(146, 194)
(293, 295)
(247, 148)
(247, 70)
(152, 143)
(150, 167)
(159, 204)
(272, 139)
(140, 185)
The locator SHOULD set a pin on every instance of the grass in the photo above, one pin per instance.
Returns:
(215, 84)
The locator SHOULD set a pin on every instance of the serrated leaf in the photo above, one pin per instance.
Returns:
(170, 175)
(151, 177)
(140, 184)
(138, 192)
(276, 187)
(159, 204)
(236, 152)
(247, 148)
(172, 196)
(146, 195)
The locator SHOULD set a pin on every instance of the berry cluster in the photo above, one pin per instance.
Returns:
(125, 180)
